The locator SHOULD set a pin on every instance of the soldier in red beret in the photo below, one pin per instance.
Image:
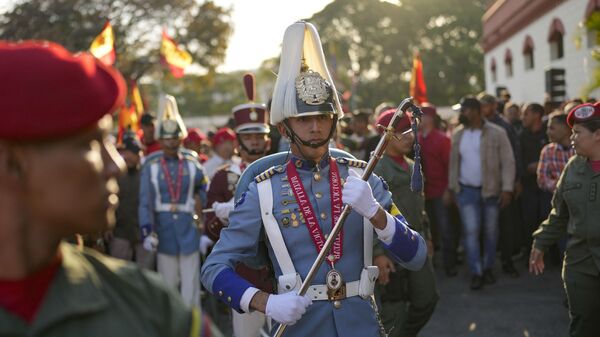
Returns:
(196, 141)
(58, 175)
(224, 147)
(252, 129)
(576, 210)
(408, 298)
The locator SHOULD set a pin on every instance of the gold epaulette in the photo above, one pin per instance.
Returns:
(352, 162)
(269, 173)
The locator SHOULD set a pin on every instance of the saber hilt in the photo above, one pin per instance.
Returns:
(379, 151)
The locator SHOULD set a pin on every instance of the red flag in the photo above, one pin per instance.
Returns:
(176, 58)
(103, 46)
(418, 89)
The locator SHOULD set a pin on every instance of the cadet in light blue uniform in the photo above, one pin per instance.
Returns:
(170, 182)
(279, 206)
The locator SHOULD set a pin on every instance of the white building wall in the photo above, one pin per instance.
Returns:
(529, 85)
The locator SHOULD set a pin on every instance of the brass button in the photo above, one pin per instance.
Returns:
(323, 216)
(220, 293)
(326, 236)
(229, 299)
(319, 195)
(337, 304)
(317, 176)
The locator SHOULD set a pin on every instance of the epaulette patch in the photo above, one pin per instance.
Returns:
(269, 173)
(352, 162)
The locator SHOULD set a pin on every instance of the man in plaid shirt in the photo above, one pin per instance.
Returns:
(554, 155)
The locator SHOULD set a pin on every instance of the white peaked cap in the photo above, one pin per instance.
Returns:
(301, 40)
(168, 112)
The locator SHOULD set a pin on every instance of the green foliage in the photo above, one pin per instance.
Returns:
(203, 29)
(375, 40)
(593, 24)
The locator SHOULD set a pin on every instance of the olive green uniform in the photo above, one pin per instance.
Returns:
(409, 299)
(576, 211)
(94, 295)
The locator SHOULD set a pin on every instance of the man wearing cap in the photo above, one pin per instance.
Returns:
(58, 173)
(481, 176)
(291, 209)
(509, 220)
(148, 130)
(124, 239)
(172, 191)
(575, 211)
(223, 151)
(251, 125)
(408, 298)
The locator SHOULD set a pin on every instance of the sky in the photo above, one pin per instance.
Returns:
(259, 26)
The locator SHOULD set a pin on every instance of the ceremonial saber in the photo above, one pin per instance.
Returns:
(389, 133)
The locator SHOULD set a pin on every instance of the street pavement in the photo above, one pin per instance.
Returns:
(528, 306)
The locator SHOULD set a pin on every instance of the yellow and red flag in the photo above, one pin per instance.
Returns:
(103, 46)
(418, 89)
(176, 58)
(130, 116)
(128, 120)
(136, 100)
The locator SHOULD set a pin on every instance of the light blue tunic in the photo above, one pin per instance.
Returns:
(240, 242)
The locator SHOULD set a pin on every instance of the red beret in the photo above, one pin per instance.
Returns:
(47, 92)
(385, 118)
(429, 109)
(583, 113)
(195, 136)
(222, 135)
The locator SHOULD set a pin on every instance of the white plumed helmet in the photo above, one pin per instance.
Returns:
(304, 85)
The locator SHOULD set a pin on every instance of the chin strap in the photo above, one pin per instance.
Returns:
(250, 152)
(294, 139)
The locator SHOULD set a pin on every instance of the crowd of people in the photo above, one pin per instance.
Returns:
(490, 172)
(518, 178)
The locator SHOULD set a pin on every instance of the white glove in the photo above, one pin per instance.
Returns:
(287, 308)
(150, 243)
(222, 209)
(358, 194)
(205, 243)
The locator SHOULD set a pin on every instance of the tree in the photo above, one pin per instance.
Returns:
(592, 24)
(373, 42)
(203, 29)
